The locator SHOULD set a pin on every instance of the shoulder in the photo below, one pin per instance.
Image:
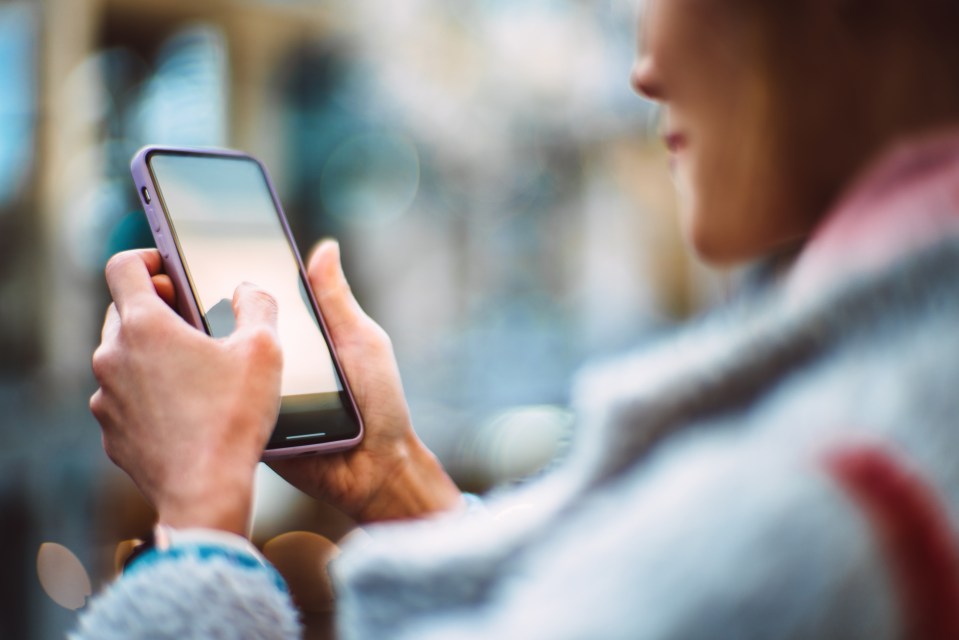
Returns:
(870, 350)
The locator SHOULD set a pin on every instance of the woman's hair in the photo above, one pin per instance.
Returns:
(891, 67)
(909, 46)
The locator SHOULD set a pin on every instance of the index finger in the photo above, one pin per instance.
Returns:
(129, 275)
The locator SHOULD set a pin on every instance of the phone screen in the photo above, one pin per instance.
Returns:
(228, 229)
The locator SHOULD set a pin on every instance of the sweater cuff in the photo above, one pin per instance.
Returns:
(170, 545)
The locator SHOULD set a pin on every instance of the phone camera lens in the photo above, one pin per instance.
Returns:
(146, 195)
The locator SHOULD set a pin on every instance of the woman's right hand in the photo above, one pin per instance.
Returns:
(390, 474)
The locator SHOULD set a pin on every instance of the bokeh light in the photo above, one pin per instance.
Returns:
(371, 178)
(124, 550)
(302, 558)
(62, 576)
(519, 442)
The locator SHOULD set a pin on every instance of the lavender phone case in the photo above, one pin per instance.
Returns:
(186, 302)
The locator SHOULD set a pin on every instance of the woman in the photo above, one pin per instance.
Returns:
(782, 470)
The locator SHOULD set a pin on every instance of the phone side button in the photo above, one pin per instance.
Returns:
(152, 218)
(161, 242)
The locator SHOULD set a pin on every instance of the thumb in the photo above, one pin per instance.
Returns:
(340, 309)
(254, 307)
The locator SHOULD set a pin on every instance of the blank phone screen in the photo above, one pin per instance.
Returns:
(228, 230)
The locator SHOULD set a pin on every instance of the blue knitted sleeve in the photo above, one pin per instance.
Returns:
(190, 592)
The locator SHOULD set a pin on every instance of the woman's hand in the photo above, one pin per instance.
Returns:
(391, 474)
(185, 415)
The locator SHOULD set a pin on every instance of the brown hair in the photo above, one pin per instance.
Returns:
(890, 67)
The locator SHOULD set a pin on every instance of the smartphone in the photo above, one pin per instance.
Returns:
(217, 222)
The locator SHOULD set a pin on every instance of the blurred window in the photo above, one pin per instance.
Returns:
(176, 97)
(17, 97)
(184, 102)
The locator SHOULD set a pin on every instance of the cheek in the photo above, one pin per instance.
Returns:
(711, 226)
(723, 198)
(737, 210)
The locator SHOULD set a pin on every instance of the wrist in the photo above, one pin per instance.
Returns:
(208, 516)
(165, 544)
(417, 486)
(219, 506)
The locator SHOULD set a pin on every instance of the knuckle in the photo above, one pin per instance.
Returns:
(337, 292)
(380, 339)
(110, 450)
(118, 262)
(101, 363)
(96, 404)
(342, 289)
(264, 298)
(139, 323)
(264, 346)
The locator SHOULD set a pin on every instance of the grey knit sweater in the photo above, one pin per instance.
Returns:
(697, 503)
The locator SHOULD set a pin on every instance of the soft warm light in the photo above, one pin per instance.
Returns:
(302, 558)
(124, 550)
(63, 576)
(519, 442)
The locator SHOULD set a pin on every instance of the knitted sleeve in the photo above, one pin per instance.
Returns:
(192, 593)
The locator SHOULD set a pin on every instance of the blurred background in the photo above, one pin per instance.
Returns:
(501, 197)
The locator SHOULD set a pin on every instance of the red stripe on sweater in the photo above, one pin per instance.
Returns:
(913, 533)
